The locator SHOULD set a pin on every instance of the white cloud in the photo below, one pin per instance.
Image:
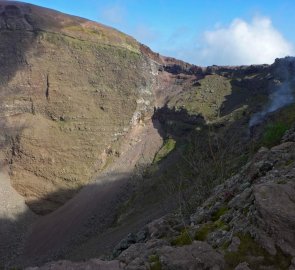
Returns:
(114, 14)
(242, 43)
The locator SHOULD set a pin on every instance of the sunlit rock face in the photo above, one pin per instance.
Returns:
(70, 89)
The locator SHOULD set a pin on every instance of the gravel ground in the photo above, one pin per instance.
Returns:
(15, 219)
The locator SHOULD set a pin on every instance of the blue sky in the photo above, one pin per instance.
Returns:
(201, 32)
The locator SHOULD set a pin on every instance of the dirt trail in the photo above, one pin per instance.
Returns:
(93, 209)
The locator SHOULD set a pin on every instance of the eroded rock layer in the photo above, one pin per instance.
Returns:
(69, 89)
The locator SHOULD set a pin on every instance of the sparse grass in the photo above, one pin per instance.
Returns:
(249, 249)
(168, 147)
(102, 34)
(225, 246)
(183, 239)
(92, 38)
(221, 225)
(220, 212)
(273, 134)
(206, 98)
(202, 233)
(217, 224)
(289, 162)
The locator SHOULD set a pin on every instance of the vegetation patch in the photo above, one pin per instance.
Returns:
(155, 263)
(247, 252)
(202, 233)
(220, 212)
(221, 225)
(205, 98)
(274, 133)
(225, 245)
(168, 147)
(289, 162)
(183, 239)
(246, 210)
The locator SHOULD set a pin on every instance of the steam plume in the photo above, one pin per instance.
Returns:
(279, 98)
(282, 94)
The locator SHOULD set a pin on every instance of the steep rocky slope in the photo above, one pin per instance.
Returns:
(69, 89)
(246, 223)
(99, 136)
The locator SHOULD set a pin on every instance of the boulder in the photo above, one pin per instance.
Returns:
(276, 207)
